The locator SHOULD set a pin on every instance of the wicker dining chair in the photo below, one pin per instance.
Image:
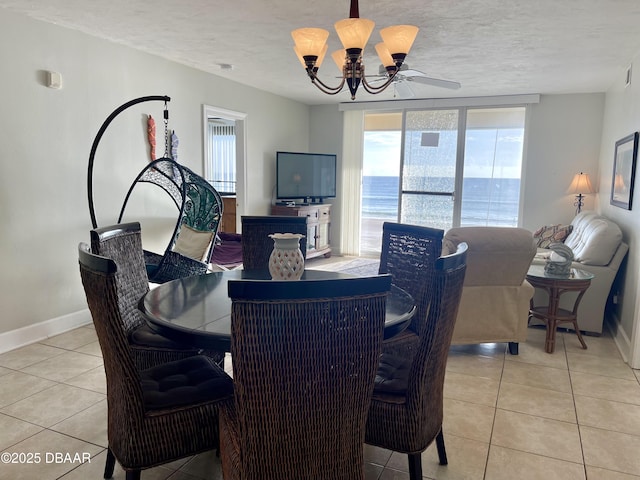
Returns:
(155, 415)
(409, 255)
(406, 410)
(122, 243)
(256, 243)
(304, 360)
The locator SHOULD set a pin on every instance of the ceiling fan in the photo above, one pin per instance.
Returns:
(406, 76)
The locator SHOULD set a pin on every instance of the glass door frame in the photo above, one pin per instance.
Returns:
(459, 167)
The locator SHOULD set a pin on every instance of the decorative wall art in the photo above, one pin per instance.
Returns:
(624, 171)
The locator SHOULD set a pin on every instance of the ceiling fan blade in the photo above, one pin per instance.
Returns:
(436, 82)
(404, 90)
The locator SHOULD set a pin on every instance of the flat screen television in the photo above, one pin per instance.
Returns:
(309, 177)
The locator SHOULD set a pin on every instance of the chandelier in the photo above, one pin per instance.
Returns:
(311, 47)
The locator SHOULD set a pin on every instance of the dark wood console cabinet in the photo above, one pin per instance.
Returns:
(318, 225)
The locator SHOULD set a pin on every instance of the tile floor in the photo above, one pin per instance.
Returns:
(573, 414)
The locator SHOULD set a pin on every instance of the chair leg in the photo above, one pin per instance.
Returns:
(513, 348)
(133, 475)
(415, 466)
(442, 453)
(110, 464)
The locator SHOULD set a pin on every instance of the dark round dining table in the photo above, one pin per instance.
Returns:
(196, 310)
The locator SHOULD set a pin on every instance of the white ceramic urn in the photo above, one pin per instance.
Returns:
(286, 261)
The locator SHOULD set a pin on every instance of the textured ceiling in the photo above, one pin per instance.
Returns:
(491, 47)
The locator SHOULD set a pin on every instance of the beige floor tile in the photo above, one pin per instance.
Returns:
(53, 405)
(25, 356)
(468, 388)
(89, 425)
(596, 473)
(95, 470)
(48, 445)
(608, 415)
(466, 458)
(476, 365)
(5, 371)
(372, 472)
(533, 352)
(541, 436)
(92, 348)
(610, 388)
(537, 376)
(391, 474)
(611, 450)
(205, 465)
(637, 374)
(72, 339)
(468, 420)
(376, 455)
(537, 401)
(607, 366)
(65, 366)
(94, 380)
(507, 464)
(13, 431)
(601, 346)
(17, 385)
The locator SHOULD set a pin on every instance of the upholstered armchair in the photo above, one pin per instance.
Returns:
(495, 299)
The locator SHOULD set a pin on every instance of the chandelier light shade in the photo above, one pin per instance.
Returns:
(354, 32)
(580, 186)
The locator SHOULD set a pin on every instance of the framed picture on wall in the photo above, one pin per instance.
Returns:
(624, 171)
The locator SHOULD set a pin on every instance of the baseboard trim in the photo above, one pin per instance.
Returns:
(34, 333)
(623, 342)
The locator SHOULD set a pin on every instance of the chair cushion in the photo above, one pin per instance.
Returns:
(392, 375)
(190, 381)
(549, 234)
(145, 336)
(192, 243)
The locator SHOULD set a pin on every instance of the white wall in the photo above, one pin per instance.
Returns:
(621, 118)
(46, 136)
(563, 139)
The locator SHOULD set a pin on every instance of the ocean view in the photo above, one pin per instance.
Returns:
(485, 201)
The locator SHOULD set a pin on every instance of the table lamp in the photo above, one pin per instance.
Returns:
(580, 186)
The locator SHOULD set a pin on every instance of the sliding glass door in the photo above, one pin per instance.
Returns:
(441, 168)
(428, 168)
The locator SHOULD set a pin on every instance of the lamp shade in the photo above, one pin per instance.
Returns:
(339, 58)
(384, 55)
(581, 184)
(310, 41)
(399, 38)
(354, 32)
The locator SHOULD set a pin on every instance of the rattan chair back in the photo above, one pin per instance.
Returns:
(138, 437)
(256, 243)
(122, 243)
(304, 360)
(408, 421)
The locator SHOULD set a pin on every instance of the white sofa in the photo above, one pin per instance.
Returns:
(598, 248)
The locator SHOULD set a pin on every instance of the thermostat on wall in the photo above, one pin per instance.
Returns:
(54, 80)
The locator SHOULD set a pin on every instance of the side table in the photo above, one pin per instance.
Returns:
(556, 285)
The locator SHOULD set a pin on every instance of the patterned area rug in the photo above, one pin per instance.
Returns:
(356, 266)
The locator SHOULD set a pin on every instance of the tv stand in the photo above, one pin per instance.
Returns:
(318, 225)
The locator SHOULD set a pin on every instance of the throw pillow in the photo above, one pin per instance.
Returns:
(192, 243)
(547, 235)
